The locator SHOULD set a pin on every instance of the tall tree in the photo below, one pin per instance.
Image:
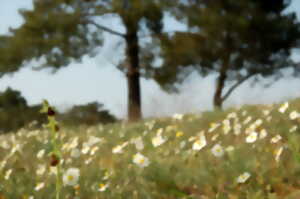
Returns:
(63, 31)
(235, 39)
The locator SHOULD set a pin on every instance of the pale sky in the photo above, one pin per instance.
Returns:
(98, 80)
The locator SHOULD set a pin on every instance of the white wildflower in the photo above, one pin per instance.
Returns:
(276, 138)
(294, 115)
(158, 140)
(293, 128)
(251, 137)
(39, 186)
(102, 187)
(200, 142)
(71, 177)
(283, 107)
(243, 178)
(141, 160)
(217, 150)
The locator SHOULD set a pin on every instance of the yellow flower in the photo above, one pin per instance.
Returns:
(179, 134)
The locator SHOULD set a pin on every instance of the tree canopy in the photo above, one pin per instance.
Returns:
(59, 32)
(235, 39)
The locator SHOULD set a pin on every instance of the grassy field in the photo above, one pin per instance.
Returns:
(251, 152)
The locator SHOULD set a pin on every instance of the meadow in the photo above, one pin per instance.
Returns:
(250, 152)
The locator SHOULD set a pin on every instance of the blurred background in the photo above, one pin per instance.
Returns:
(99, 61)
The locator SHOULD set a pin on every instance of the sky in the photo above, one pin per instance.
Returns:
(97, 79)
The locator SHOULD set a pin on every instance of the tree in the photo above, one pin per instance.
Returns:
(89, 114)
(15, 113)
(63, 31)
(235, 39)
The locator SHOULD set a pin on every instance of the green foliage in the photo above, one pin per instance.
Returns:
(15, 113)
(89, 114)
(235, 39)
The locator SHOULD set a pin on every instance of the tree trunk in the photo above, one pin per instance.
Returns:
(218, 99)
(133, 76)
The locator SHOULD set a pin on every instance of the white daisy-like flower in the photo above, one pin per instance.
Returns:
(102, 187)
(71, 177)
(39, 186)
(119, 148)
(283, 107)
(217, 150)
(158, 140)
(276, 139)
(200, 142)
(243, 178)
(40, 154)
(294, 115)
(141, 160)
(252, 137)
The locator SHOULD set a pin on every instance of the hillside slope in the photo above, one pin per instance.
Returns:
(252, 152)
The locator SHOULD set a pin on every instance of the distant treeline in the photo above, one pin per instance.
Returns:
(15, 113)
